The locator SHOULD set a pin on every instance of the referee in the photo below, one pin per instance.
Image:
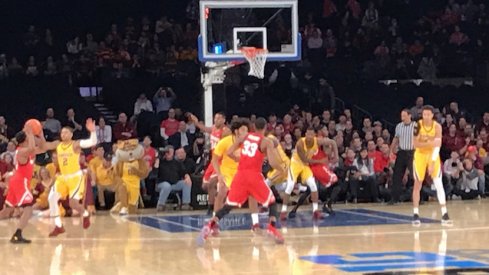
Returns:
(404, 139)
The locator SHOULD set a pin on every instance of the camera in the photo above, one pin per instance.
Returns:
(454, 164)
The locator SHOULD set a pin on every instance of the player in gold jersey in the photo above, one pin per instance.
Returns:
(427, 143)
(305, 149)
(71, 180)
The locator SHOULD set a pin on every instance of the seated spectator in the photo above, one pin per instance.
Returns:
(104, 134)
(458, 38)
(142, 104)
(365, 176)
(188, 163)
(124, 129)
(478, 165)
(467, 185)
(169, 126)
(5, 134)
(172, 177)
(451, 168)
(72, 123)
(181, 139)
(427, 69)
(41, 190)
(451, 141)
(150, 156)
(198, 148)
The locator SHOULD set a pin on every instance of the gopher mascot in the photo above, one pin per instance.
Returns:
(129, 169)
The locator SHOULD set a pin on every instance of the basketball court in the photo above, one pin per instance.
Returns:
(360, 239)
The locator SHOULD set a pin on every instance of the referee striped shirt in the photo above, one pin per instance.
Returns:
(404, 132)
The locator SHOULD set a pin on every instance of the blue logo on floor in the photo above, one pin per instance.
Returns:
(388, 261)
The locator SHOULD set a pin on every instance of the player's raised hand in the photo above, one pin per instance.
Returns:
(90, 125)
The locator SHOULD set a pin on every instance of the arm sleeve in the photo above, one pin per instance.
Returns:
(91, 141)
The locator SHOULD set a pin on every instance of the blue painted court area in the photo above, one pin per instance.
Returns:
(399, 260)
(242, 221)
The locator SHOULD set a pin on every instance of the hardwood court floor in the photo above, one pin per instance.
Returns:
(361, 239)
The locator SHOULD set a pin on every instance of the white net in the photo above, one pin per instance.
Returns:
(256, 58)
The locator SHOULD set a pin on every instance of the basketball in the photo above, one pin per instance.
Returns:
(35, 125)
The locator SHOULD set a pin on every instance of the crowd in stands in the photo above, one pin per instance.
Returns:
(364, 168)
(373, 39)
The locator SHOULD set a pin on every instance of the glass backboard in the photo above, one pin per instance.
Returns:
(228, 25)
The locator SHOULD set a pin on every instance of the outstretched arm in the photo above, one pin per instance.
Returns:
(91, 141)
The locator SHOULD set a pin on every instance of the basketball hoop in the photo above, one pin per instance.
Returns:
(257, 58)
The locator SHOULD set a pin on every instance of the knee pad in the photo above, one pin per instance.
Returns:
(311, 182)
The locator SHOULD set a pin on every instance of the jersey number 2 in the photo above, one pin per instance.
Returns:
(249, 149)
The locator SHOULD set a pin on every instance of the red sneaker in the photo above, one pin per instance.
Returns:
(56, 231)
(86, 222)
(256, 228)
(283, 216)
(318, 215)
(204, 234)
(215, 230)
(275, 234)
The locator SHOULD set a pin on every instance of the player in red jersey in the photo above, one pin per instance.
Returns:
(19, 193)
(216, 132)
(249, 180)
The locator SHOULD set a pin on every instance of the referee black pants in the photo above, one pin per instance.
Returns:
(404, 161)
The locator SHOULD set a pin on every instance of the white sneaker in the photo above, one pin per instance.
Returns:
(123, 211)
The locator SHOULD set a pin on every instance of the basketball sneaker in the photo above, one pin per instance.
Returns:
(57, 231)
(445, 220)
(17, 238)
(256, 228)
(416, 221)
(318, 215)
(275, 234)
(86, 222)
(283, 216)
(209, 229)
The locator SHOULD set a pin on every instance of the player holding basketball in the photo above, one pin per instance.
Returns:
(216, 132)
(249, 180)
(71, 180)
(305, 149)
(427, 143)
(275, 179)
(19, 193)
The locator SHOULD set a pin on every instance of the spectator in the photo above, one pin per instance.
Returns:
(150, 156)
(72, 123)
(74, 46)
(172, 177)
(104, 133)
(198, 148)
(483, 124)
(5, 134)
(467, 185)
(163, 100)
(188, 163)
(104, 178)
(124, 129)
(32, 69)
(364, 175)
(417, 109)
(478, 166)
(427, 69)
(458, 38)
(452, 141)
(142, 104)
(51, 124)
(169, 126)
(181, 139)
(451, 168)
(371, 18)
(11, 147)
